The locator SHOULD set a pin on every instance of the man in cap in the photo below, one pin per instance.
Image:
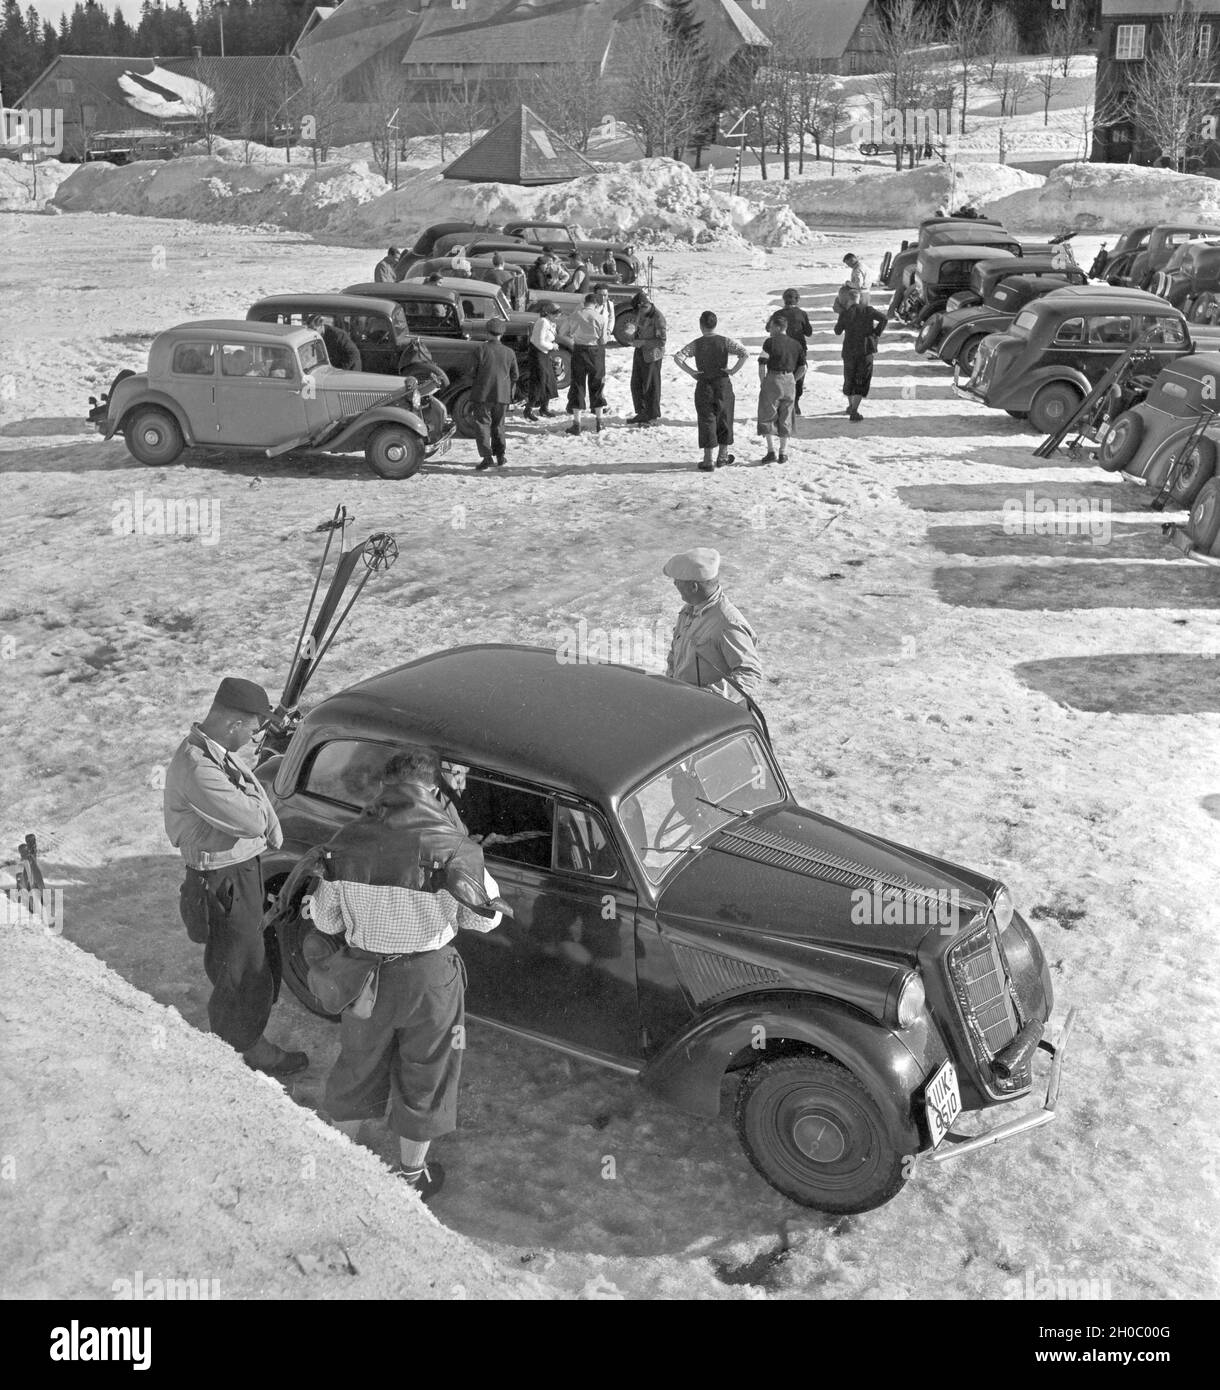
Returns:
(646, 361)
(713, 645)
(714, 398)
(386, 270)
(218, 817)
(491, 392)
(797, 325)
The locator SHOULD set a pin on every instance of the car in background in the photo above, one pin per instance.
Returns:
(897, 267)
(1173, 429)
(380, 331)
(438, 312)
(1190, 280)
(515, 289)
(679, 919)
(956, 335)
(130, 146)
(939, 272)
(1117, 263)
(1199, 538)
(566, 237)
(425, 243)
(1058, 348)
(986, 274)
(1163, 241)
(266, 389)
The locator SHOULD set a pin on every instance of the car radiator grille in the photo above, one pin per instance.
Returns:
(984, 993)
(357, 402)
(707, 974)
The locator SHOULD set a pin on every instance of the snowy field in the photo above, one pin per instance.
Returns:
(1043, 706)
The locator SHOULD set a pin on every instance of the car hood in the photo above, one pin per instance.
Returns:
(792, 873)
(335, 379)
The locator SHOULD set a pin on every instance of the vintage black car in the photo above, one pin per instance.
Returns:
(989, 273)
(898, 267)
(566, 237)
(678, 916)
(1060, 346)
(941, 271)
(1149, 254)
(1117, 263)
(1190, 280)
(956, 334)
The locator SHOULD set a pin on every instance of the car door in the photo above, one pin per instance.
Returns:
(258, 396)
(563, 967)
(1164, 335)
(192, 371)
(374, 339)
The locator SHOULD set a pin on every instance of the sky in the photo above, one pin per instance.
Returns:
(52, 9)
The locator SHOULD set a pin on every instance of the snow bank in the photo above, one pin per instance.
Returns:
(125, 1168)
(1111, 197)
(898, 200)
(18, 182)
(648, 198)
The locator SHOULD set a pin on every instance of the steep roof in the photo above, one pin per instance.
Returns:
(522, 149)
(825, 27)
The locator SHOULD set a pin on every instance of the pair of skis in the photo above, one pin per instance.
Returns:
(377, 552)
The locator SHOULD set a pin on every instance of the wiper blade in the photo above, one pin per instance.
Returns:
(729, 810)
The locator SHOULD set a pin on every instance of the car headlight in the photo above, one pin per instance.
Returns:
(910, 1001)
(1002, 907)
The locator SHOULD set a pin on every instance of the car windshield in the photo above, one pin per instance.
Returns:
(399, 319)
(682, 806)
(313, 354)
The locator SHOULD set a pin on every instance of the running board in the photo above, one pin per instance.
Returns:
(599, 1059)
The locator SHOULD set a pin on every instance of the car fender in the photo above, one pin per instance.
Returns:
(951, 342)
(1031, 381)
(143, 396)
(689, 1070)
(354, 433)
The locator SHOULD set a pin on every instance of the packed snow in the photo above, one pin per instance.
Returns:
(1111, 198)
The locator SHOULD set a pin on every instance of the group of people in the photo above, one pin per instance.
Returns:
(377, 892)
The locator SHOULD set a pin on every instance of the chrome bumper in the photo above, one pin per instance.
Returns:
(954, 1146)
(964, 392)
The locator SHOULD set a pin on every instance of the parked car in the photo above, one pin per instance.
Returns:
(1190, 280)
(1200, 537)
(1060, 346)
(898, 267)
(481, 268)
(566, 237)
(987, 274)
(425, 243)
(131, 146)
(955, 335)
(380, 331)
(268, 389)
(439, 312)
(679, 917)
(1162, 241)
(1174, 422)
(939, 272)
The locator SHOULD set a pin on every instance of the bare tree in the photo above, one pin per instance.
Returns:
(471, 106)
(664, 89)
(1000, 42)
(205, 102)
(1066, 33)
(1046, 78)
(966, 24)
(572, 98)
(1011, 80)
(439, 115)
(383, 96)
(903, 86)
(1167, 103)
(317, 108)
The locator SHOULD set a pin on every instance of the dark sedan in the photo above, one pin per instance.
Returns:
(678, 916)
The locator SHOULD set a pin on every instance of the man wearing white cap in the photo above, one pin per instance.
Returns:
(713, 645)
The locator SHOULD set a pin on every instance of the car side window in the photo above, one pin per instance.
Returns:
(347, 771)
(582, 845)
(194, 359)
(1162, 331)
(1107, 330)
(510, 822)
(1070, 331)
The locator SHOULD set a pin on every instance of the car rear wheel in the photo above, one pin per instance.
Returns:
(461, 411)
(883, 275)
(816, 1134)
(968, 354)
(625, 270)
(1122, 441)
(1194, 470)
(153, 436)
(928, 333)
(394, 452)
(1204, 523)
(1055, 403)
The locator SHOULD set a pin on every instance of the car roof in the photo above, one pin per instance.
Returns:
(324, 303)
(594, 730)
(1206, 228)
(1108, 298)
(294, 334)
(956, 250)
(1196, 367)
(462, 285)
(401, 289)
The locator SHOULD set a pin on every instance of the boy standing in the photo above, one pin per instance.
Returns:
(714, 398)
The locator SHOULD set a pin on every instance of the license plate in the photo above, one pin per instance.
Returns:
(942, 1102)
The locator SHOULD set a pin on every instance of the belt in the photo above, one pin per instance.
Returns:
(387, 957)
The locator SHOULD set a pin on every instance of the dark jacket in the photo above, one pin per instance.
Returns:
(797, 320)
(858, 323)
(782, 353)
(650, 328)
(341, 349)
(496, 375)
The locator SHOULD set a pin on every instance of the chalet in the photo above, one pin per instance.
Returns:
(840, 36)
(1129, 32)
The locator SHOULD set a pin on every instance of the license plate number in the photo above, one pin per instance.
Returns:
(942, 1102)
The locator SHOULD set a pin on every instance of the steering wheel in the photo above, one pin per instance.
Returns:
(669, 824)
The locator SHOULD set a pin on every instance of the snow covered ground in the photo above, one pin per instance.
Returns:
(1044, 706)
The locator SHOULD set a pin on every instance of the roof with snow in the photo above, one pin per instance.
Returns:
(522, 149)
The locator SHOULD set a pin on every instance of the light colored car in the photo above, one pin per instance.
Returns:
(269, 389)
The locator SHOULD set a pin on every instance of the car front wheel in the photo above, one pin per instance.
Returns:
(816, 1134)
(1194, 470)
(394, 452)
(1204, 525)
(1122, 442)
(153, 436)
(1054, 404)
(461, 409)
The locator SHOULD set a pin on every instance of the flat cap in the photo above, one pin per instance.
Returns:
(702, 563)
(246, 696)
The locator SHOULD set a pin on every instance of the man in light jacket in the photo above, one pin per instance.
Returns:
(713, 645)
(218, 817)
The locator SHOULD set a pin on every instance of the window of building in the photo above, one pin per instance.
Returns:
(1205, 40)
(1129, 42)
(65, 86)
